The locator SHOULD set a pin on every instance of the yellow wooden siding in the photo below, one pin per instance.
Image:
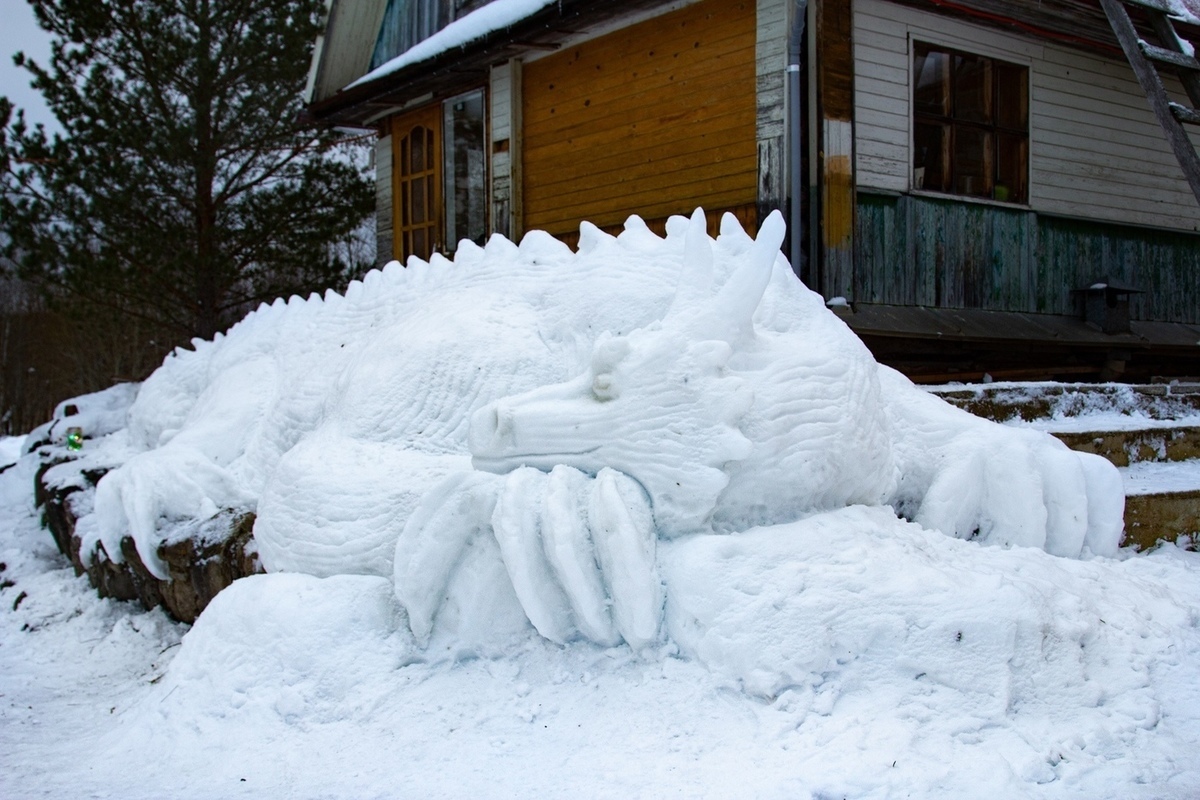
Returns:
(654, 119)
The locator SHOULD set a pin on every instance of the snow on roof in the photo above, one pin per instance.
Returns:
(1186, 10)
(500, 14)
(494, 16)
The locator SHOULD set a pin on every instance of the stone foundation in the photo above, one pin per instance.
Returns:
(202, 557)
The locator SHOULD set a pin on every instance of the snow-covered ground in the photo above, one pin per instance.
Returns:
(1111, 421)
(848, 655)
(1153, 477)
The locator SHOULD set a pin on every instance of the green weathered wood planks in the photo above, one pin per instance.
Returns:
(922, 251)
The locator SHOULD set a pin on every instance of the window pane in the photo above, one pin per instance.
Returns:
(417, 138)
(1012, 96)
(972, 159)
(1011, 160)
(931, 156)
(407, 22)
(418, 204)
(465, 169)
(931, 82)
(973, 88)
(431, 207)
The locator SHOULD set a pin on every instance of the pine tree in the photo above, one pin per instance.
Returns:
(181, 191)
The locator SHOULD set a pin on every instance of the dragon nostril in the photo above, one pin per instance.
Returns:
(502, 424)
(490, 426)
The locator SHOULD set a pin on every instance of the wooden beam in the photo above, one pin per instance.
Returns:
(1185, 114)
(1169, 57)
(833, 45)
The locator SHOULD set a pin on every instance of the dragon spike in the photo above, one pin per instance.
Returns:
(591, 237)
(696, 276)
(677, 225)
(734, 305)
(732, 228)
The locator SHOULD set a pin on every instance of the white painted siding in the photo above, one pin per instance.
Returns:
(383, 200)
(770, 56)
(770, 59)
(501, 97)
(1097, 151)
(344, 54)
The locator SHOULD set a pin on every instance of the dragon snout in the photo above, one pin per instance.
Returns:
(491, 428)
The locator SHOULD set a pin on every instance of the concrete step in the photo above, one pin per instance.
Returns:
(1007, 401)
(1131, 446)
(1162, 502)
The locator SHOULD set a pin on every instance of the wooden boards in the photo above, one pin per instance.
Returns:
(653, 119)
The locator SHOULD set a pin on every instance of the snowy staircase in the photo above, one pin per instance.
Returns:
(1150, 432)
(1175, 55)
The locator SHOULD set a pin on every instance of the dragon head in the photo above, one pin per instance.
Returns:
(658, 404)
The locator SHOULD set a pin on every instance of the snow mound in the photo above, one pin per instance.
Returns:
(844, 654)
(97, 414)
(880, 658)
(288, 645)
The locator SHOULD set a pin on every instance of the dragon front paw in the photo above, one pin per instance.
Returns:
(579, 551)
(1017, 487)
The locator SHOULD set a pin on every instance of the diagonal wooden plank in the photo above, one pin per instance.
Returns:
(1156, 93)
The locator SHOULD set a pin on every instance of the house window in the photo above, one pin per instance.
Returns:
(970, 125)
(439, 179)
(407, 22)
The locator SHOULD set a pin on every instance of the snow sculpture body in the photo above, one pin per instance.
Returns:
(547, 416)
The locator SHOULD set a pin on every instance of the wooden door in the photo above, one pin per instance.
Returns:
(417, 183)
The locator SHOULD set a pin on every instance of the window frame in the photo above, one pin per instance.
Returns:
(936, 43)
(449, 213)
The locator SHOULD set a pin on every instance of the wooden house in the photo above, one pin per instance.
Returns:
(973, 177)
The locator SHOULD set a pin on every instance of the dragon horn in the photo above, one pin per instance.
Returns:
(735, 304)
(696, 276)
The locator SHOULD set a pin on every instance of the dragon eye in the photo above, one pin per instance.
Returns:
(602, 386)
(609, 352)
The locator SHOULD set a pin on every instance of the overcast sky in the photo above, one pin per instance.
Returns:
(19, 31)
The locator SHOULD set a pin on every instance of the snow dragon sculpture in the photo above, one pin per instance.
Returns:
(550, 414)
